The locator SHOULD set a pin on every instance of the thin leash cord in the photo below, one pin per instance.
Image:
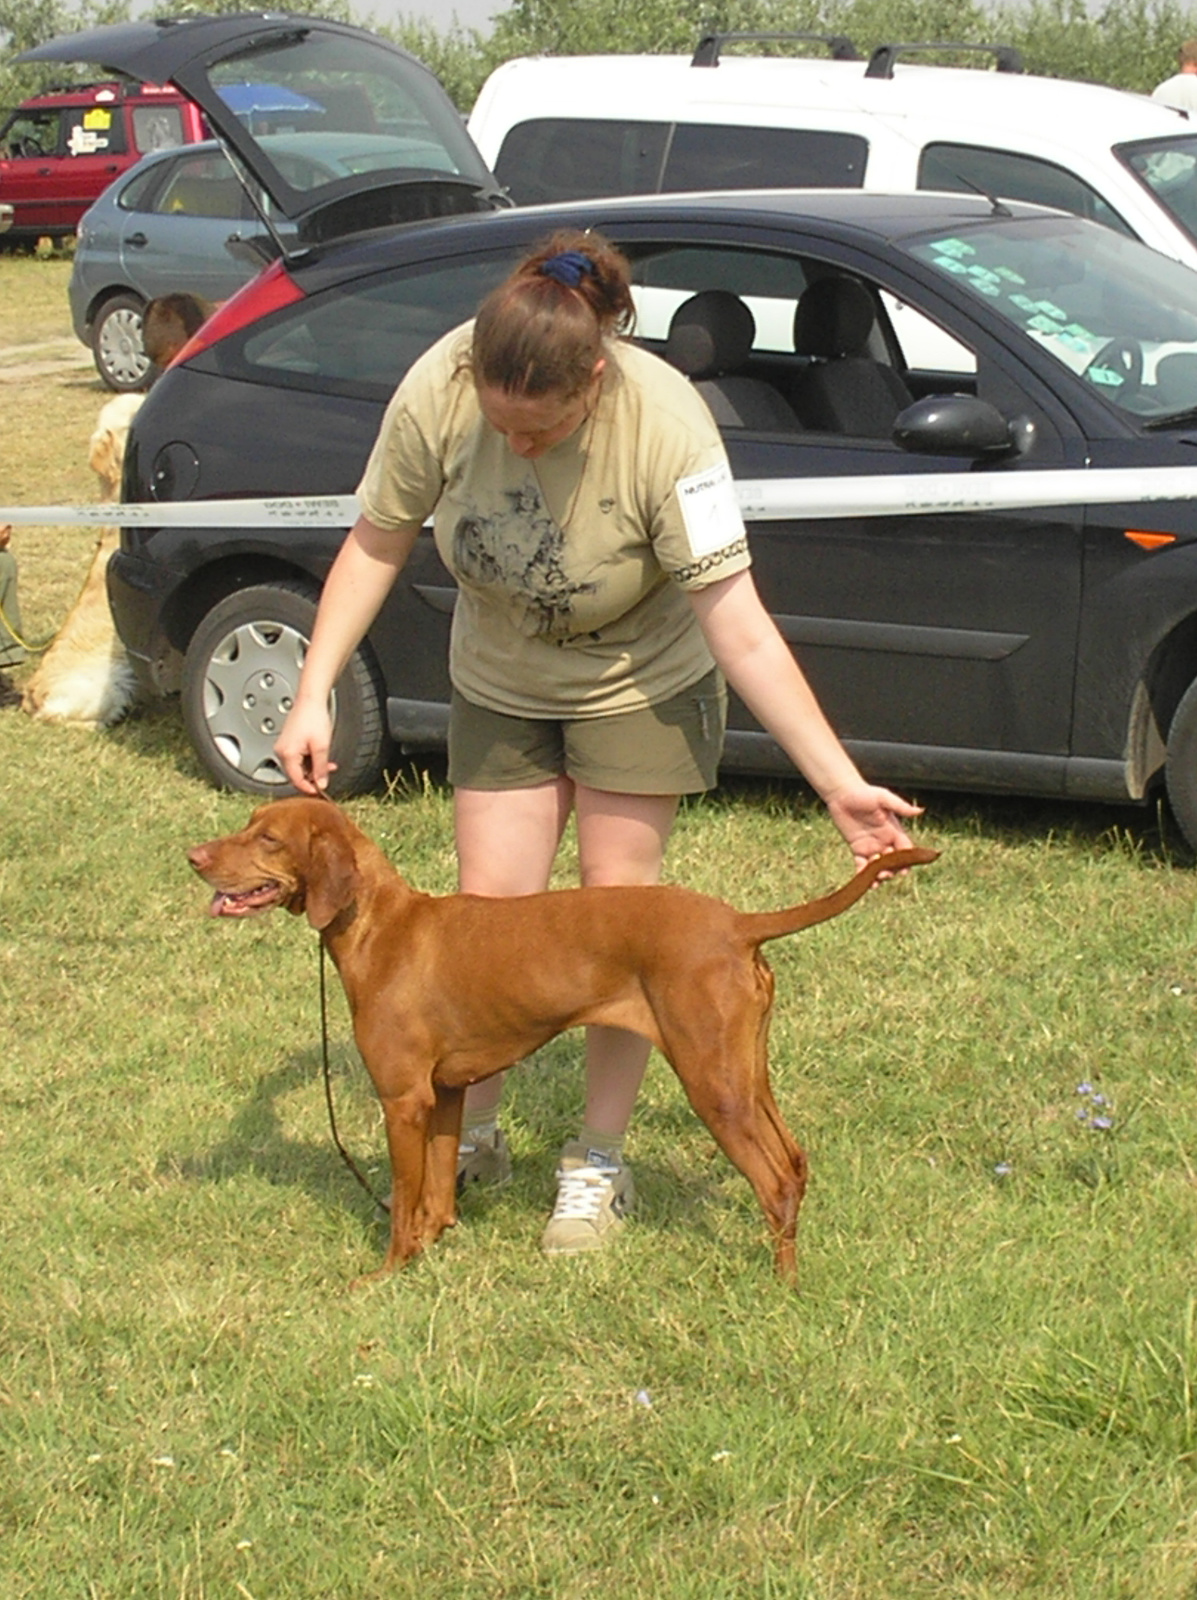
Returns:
(328, 1094)
(25, 644)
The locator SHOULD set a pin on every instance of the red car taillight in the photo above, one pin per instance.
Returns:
(269, 291)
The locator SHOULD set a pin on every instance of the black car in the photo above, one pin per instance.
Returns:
(1035, 651)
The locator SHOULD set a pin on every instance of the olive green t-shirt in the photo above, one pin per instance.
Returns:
(571, 569)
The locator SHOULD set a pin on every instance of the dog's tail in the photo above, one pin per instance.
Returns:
(763, 925)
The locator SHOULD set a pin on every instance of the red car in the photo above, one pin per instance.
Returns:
(59, 151)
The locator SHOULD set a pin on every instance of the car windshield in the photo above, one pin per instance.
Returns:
(342, 106)
(1113, 311)
(1168, 167)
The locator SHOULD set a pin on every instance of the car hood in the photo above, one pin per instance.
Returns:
(271, 73)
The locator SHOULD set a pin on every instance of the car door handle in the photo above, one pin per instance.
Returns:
(137, 240)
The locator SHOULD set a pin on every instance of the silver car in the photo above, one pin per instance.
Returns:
(181, 222)
(162, 228)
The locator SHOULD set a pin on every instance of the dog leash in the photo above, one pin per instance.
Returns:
(383, 1205)
(26, 644)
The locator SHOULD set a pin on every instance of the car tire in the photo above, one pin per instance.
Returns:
(1180, 765)
(240, 674)
(116, 344)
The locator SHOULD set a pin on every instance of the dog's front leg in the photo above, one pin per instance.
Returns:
(407, 1118)
(439, 1207)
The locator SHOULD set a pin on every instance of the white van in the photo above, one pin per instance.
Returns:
(573, 127)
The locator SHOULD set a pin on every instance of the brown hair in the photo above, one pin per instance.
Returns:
(544, 328)
(169, 321)
(1187, 54)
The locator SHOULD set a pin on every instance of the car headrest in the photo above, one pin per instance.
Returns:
(834, 318)
(711, 333)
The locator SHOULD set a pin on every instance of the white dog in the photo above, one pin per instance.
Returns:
(85, 678)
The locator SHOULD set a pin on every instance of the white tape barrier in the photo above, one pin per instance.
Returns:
(763, 500)
(313, 511)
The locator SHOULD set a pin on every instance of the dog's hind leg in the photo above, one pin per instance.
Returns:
(725, 1076)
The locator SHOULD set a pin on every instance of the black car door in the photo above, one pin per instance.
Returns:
(937, 643)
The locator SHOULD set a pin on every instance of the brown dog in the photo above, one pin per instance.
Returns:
(445, 991)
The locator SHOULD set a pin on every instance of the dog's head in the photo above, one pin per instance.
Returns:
(295, 853)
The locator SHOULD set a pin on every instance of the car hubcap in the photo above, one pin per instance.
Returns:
(120, 347)
(249, 687)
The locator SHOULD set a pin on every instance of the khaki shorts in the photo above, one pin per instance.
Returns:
(671, 748)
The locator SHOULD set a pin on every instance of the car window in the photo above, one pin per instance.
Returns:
(157, 128)
(1123, 317)
(362, 342)
(32, 133)
(768, 282)
(1168, 167)
(572, 158)
(137, 194)
(313, 87)
(705, 157)
(200, 186)
(93, 131)
(578, 158)
(970, 169)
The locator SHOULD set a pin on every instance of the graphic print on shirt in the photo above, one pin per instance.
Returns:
(520, 549)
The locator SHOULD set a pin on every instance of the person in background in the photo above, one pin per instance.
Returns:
(12, 651)
(1180, 90)
(583, 501)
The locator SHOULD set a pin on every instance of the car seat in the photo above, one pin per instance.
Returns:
(710, 339)
(843, 390)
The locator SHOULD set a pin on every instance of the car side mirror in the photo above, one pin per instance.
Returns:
(961, 425)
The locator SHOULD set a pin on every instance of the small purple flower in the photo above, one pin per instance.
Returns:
(1098, 1100)
(1104, 1124)
(1084, 1088)
(1003, 1169)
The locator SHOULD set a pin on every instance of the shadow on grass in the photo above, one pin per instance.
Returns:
(545, 1108)
(1146, 829)
(257, 1142)
(155, 733)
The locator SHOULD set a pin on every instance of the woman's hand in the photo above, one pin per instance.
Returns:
(303, 747)
(868, 819)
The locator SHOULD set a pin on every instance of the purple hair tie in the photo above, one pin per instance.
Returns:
(569, 268)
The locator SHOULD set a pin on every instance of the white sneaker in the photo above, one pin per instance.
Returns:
(593, 1197)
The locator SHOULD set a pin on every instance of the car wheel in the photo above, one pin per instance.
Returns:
(1180, 765)
(240, 675)
(116, 344)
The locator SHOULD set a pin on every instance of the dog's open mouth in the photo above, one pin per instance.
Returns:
(243, 903)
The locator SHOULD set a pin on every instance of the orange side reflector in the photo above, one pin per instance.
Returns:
(1150, 541)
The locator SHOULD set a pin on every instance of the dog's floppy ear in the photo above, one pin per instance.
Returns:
(332, 877)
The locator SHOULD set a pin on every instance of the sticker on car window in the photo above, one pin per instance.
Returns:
(98, 118)
(86, 141)
(952, 247)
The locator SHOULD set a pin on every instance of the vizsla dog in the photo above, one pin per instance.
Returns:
(446, 990)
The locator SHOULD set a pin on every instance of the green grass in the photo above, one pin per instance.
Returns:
(984, 1386)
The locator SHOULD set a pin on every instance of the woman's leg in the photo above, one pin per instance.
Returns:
(507, 840)
(621, 840)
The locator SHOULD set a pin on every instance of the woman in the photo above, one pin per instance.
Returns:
(584, 503)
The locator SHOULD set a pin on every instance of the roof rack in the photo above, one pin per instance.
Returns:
(709, 46)
(881, 62)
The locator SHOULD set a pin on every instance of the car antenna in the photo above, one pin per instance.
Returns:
(1000, 208)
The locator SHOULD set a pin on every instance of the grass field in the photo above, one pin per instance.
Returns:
(984, 1387)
